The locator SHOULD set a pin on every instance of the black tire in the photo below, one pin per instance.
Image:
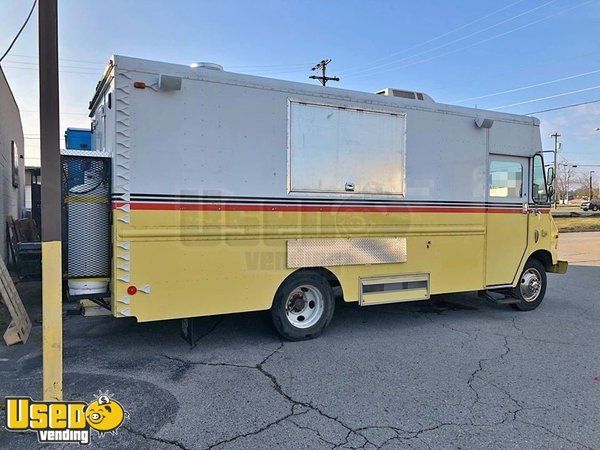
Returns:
(303, 306)
(595, 208)
(534, 271)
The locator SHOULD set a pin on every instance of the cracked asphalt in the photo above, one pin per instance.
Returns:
(454, 372)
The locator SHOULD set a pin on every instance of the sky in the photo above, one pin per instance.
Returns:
(517, 56)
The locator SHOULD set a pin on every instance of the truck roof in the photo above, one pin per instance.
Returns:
(210, 73)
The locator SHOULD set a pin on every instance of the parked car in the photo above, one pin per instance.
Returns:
(594, 205)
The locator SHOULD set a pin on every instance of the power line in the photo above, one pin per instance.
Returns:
(96, 73)
(35, 111)
(446, 44)
(454, 30)
(283, 66)
(268, 67)
(573, 105)
(367, 69)
(499, 75)
(273, 71)
(478, 42)
(62, 59)
(36, 65)
(38, 138)
(269, 70)
(562, 94)
(522, 88)
(91, 71)
(19, 32)
(484, 40)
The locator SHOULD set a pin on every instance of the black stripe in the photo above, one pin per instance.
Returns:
(340, 204)
(307, 201)
(262, 199)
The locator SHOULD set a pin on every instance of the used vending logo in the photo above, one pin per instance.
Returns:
(66, 422)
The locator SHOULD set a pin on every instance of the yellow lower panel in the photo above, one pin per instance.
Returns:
(187, 264)
(506, 245)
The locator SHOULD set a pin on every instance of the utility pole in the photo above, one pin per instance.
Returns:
(555, 135)
(323, 67)
(51, 202)
(591, 187)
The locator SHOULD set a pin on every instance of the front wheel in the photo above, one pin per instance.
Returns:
(531, 289)
(595, 208)
(303, 306)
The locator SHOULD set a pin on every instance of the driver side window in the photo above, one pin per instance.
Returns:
(538, 191)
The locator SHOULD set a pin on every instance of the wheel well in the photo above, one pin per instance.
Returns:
(543, 256)
(325, 273)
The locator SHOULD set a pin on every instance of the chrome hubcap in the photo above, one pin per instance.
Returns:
(531, 285)
(304, 306)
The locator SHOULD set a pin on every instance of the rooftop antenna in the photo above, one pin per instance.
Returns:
(323, 67)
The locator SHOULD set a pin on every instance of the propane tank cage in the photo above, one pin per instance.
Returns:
(86, 214)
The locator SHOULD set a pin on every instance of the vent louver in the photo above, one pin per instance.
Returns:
(412, 95)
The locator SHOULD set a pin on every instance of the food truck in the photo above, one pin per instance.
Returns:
(211, 192)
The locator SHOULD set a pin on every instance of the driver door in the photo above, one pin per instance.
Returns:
(506, 218)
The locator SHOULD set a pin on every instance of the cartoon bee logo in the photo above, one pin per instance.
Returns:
(105, 414)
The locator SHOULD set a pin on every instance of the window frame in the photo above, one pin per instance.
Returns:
(547, 202)
(524, 172)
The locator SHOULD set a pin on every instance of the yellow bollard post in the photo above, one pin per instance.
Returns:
(52, 321)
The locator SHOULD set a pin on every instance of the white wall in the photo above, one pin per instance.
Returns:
(12, 199)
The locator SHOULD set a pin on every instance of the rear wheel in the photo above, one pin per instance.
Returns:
(595, 208)
(303, 306)
(531, 289)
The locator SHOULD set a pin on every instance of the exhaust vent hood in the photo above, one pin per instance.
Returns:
(413, 95)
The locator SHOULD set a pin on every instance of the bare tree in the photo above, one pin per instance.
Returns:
(581, 182)
(564, 182)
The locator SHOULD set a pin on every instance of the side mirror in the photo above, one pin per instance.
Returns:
(550, 175)
(550, 192)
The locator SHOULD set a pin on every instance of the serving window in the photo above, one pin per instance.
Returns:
(344, 150)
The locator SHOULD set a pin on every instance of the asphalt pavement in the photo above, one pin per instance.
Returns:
(453, 372)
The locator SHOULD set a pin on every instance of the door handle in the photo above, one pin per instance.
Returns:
(525, 209)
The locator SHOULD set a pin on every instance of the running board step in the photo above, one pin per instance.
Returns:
(498, 298)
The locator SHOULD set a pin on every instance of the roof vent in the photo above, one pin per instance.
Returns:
(405, 94)
(206, 65)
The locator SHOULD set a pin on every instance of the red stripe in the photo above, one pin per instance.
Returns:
(155, 206)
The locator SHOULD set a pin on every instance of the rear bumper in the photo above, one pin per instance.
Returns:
(559, 267)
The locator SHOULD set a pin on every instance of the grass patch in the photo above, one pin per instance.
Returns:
(571, 224)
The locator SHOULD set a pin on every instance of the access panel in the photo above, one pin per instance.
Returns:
(343, 150)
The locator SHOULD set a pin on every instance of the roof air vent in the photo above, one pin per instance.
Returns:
(206, 65)
(405, 94)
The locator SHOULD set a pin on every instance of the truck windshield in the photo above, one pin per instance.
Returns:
(538, 191)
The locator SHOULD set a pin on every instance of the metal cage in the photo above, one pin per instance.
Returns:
(86, 210)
